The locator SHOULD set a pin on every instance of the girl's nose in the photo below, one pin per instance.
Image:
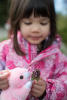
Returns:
(35, 28)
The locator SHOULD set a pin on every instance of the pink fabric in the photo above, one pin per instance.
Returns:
(51, 62)
(19, 89)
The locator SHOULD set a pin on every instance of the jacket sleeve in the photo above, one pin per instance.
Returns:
(57, 86)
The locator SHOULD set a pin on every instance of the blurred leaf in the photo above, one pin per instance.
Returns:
(62, 27)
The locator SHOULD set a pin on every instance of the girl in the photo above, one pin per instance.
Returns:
(34, 45)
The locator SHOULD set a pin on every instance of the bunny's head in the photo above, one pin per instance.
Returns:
(18, 77)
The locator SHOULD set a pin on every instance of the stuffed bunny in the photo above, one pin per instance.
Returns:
(19, 85)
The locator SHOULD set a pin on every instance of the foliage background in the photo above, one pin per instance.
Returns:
(62, 27)
(3, 12)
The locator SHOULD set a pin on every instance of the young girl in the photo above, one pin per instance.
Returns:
(34, 45)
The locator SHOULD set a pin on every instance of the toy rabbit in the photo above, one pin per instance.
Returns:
(19, 85)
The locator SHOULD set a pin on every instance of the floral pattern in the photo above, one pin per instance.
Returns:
(51, 63)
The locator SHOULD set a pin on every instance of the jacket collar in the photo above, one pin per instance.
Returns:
(31, 50)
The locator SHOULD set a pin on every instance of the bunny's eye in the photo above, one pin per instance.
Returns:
(21, 77)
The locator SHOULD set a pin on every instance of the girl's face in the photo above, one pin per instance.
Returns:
(35, 29)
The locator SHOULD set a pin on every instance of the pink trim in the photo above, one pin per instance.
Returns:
(29, 48)
(29, 52)
(57, 59)
(43, 55)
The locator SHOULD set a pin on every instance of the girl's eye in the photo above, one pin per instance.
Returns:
(27, 23)
(44, 23)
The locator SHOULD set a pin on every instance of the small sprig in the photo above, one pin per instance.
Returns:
(36, 74)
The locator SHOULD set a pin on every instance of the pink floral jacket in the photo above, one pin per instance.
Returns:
(51, 62)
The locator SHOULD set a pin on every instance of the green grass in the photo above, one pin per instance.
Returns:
(62, 27)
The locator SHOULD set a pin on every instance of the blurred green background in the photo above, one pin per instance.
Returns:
(62, 27)
(4, 9)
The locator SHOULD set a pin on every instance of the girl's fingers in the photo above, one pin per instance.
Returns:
(35, 94)
(4, 71)
(34, 90)
(41, 82)
(37, 87)
(5, 81)
(4, 74)
(4, 86)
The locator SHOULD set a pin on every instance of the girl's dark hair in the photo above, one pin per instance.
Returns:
(23, 9)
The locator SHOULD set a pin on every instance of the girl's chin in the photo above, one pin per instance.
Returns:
(35, 42)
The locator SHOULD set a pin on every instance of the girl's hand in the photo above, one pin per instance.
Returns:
(38, 88)
(3, 79)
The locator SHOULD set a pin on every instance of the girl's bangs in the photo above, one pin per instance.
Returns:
(38, 7)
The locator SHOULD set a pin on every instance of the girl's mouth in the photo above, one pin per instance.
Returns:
(35, 37)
